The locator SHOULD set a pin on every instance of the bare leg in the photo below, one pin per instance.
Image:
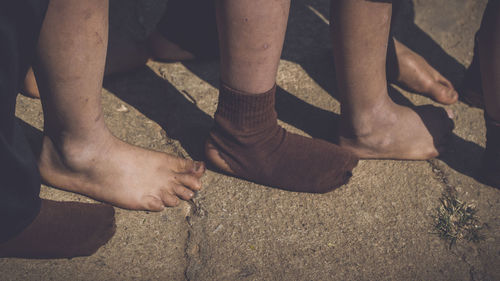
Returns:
(489, 56)
(124, 55)
(79, 153)
(372, 125)
(250, 49)
(405, 67)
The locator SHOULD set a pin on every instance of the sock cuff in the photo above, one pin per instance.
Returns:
(244, 109)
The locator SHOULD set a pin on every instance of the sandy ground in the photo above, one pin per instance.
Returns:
(378, 227)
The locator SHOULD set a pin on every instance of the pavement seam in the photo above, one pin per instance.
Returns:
(192, 207)
(192, 243)
(472, 269)
(441, 176)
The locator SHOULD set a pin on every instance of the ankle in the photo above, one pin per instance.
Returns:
(73, 151)
(362, 121)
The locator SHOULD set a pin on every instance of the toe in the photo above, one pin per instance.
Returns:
(183, 192)
(189, 181)
(183, 165)
(444, 94)
(152, 203)
(189, 166)
(169, 199)
(441, 79)
(199, 169)
(449, 124)
(449, 113)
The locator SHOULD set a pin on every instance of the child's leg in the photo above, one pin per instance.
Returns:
(79, 153)
(30, 227)
(246, 140)
(373, 125)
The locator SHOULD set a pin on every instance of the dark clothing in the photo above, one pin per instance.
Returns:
(20, 24)
(191, 24)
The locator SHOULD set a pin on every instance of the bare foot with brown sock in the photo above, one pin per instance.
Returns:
(247, 142)
(63, 230)
(412, 71)
(124, 175)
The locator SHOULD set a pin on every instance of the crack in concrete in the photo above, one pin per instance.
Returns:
(441, 176)
(191, 245)
(471, 267)
(192, 210)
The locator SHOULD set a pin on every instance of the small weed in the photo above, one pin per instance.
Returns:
(457, 220)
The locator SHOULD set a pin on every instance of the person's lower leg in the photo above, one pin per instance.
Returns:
(489, 61)
(372, 125)
(31, 227)
(250, 50)
(246, 140)
(79, 153)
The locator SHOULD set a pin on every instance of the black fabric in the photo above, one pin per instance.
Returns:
(20, 23)
(491, 157)
(191, 24)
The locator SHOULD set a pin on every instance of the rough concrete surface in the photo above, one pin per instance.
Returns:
(377, 227)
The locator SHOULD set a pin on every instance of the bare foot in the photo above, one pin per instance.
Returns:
(63, 230)
(164, 49)
(113, 171)
(414, 72)
(391, 131)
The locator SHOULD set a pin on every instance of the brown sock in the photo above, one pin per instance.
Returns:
(256, 148)
(491, 159)
(63, 230)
